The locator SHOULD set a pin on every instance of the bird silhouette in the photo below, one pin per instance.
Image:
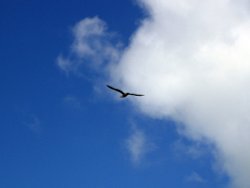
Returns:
(123, 94)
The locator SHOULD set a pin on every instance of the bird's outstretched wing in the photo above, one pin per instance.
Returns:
(120, 91)
(135, 94)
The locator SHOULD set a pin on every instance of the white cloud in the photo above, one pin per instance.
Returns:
(195, 178)
(138, 145)
(194, 150)
(92, 45)
(191, 59)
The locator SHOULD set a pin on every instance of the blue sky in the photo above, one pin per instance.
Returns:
(66, 129)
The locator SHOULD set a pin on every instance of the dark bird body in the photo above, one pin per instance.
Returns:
(123, 94)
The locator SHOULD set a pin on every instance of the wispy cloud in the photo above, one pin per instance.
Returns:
(65, 64)
(92, 45)
(72, 101)
(33, 123)
(138, 145)
(194, 150)
(194, 177)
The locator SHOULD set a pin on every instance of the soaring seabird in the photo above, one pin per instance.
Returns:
(123, 93)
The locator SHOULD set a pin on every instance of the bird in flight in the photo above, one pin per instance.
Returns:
(123, 94)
